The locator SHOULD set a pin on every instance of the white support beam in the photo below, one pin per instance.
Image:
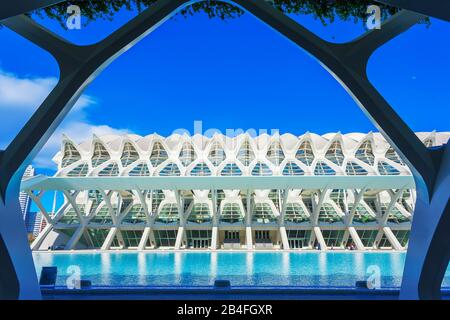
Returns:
(35, 245)
(319, 238)
(394, 198)
(180, 237)
(144, 239)
(107, 200)
(284, 238)
(70, 245)
(318, 205)
(356, 239)
(359, 197)
(219, 183)
(37, 200)
(248, 214)
(249, 237)
(214, 238)
(71, 199)
(392, 239)
(142, 195)
(109, 238)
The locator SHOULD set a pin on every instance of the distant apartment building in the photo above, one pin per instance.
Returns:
(24, 198)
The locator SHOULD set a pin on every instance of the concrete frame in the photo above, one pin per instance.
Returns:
(429, 250)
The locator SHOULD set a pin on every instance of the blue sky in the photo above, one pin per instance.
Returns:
(233, 74)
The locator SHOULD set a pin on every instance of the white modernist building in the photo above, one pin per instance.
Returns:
(271, 192)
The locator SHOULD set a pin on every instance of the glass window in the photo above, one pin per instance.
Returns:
(168, 214)
(384, 242)
(367, 237)
(165, 238)
(261, 169)
(187, 154)
(305, 153)
(80, 171)
(136, 215)
(262, 213)
(170, 170)
(158, 155)
(139, 170)
(299, 238)
(393, 156)
(97, 236)
(365, 153)
(131, 238)
(328, 214)
(275, 153)
(102, 216)
(156, 196)
(129, 155)
(109, 171)
(362, 215)
(385, 169)
(198, 238)
(322, 169)
(231, 169)
(333, 238)
(292, 169)
(201, 169)
(69, 217)
(216, 154)
(100, 155)
(231, 213)
(295, 213)
(402, 236)
(354, 169)
(334, 153)
(246, 154)
(71, 155)
(200, 213)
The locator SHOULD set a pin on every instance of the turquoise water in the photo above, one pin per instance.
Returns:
(242, 269)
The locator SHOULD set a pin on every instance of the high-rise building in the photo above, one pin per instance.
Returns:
(274, 192)
(24, 198)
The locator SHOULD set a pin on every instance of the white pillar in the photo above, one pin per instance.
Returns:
(214, 238)
(144, 239)
(75, 237)
(356, 239)
(180, 236)
(109, 238)
(42, 235)
(284, 238)
(319, 237)
(248, 238)
(392, 239)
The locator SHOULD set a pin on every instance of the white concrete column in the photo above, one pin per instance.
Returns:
(144, 239)
(249, 238)
(42, 235)
(392, 239)
(75, 237)
(284, 238)
(109, 238)
(180, 236)
(356, 239)
(214, 238)
(319, 237)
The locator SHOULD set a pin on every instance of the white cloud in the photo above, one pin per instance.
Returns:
(76, 130)
(21, 96)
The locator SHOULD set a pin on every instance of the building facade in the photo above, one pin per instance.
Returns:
(24, 198)
(334, 191)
